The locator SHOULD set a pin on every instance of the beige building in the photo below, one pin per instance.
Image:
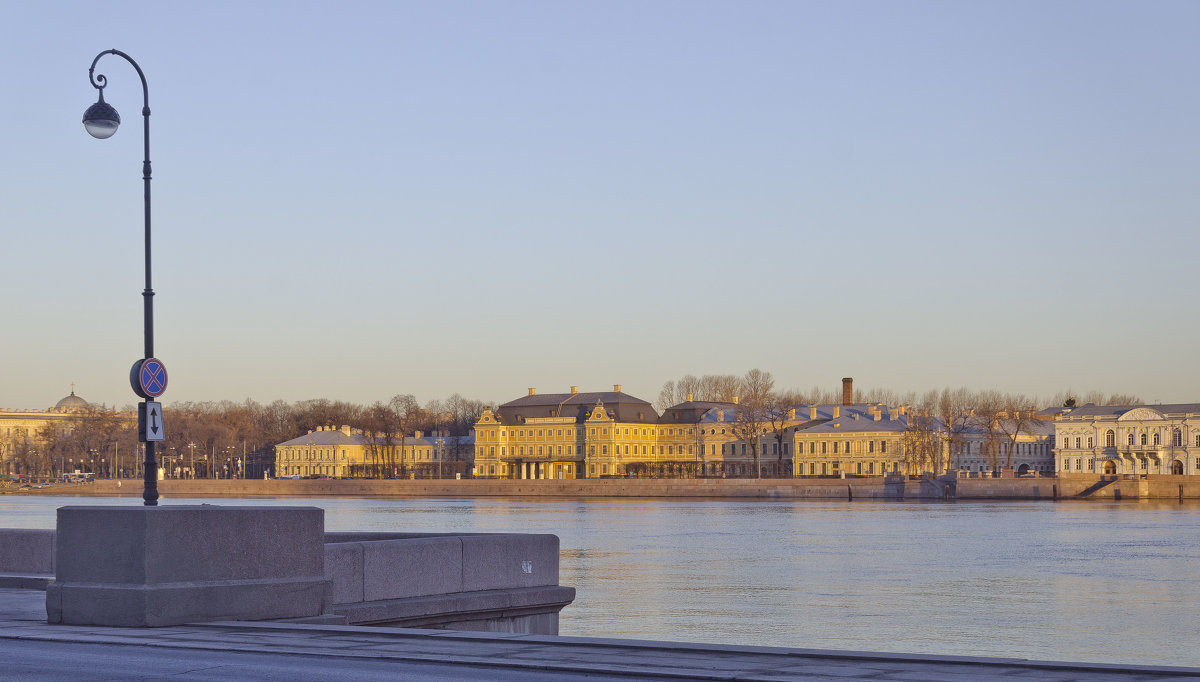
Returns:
(22, 430)
(591, 435)
(1129, 439)
(565, 435)
(850, 440)
(348, 453)
(1033, 449)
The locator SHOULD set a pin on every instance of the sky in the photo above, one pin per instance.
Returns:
(355, 200)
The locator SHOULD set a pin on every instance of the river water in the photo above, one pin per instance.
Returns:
(1074, 581)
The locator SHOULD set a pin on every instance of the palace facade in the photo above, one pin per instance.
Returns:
(1129, 439)
(330, 452)
(613, 434)
(22, 431)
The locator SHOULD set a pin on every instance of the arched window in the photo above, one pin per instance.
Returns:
(1156, 438)
(1110, 438)
(1177, 438)
(1131, 438)
(1143, 439)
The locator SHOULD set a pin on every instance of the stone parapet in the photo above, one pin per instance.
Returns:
(158, 566)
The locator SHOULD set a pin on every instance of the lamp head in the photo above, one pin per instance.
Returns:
(101, 120)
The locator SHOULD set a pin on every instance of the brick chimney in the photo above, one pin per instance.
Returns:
(848, 391)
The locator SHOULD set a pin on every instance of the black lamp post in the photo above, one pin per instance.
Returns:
(101, 121)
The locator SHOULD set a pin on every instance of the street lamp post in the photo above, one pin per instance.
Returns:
(101, 121)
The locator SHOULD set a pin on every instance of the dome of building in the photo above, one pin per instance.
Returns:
(71, 403)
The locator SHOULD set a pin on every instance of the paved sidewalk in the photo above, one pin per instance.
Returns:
(36, 650)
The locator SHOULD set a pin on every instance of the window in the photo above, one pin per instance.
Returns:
(883, 446)
(1143, 439)
(1090, 445)
(1110, 439)
(835, 447)
(870, 446)
(1131, 438)
(812, 448)
(1156, 438)
(1176, 438)
(824, 445)
(1077, 445)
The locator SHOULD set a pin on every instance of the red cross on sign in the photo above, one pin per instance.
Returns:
(149, 378)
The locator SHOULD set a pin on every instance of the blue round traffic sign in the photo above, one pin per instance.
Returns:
(148, 378)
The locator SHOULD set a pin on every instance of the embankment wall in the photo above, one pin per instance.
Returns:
(1078, 486)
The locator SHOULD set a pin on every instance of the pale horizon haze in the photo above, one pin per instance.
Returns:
(355, 200)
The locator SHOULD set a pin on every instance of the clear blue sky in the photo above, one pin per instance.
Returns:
(358, 199)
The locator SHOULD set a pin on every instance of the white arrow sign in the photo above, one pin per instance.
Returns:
(150, 422)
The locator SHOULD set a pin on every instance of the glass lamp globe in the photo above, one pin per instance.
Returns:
(101, 120)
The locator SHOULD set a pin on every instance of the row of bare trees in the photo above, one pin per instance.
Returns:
(222, 439)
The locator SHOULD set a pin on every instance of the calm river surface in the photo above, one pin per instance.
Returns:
(1078, 581)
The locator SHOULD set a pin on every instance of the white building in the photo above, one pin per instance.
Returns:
(1129, 439)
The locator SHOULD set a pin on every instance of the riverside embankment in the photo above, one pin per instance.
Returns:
(1067, 486)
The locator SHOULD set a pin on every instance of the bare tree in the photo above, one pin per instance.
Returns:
(989, 410)
(781, 414)
(753, 409)
(954, 410)
(1017, 416)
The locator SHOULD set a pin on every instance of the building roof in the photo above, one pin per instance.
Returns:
(327, 437)
(1091, 410)
(71, 403)
(341, 437)
(857, 422)
(694, 411)
(621, 407)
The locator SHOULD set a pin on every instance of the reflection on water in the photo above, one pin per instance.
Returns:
(1095, 581)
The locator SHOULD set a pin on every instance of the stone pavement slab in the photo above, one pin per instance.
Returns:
(285, 651)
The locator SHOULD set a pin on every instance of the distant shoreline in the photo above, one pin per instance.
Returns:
(1066, 487)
